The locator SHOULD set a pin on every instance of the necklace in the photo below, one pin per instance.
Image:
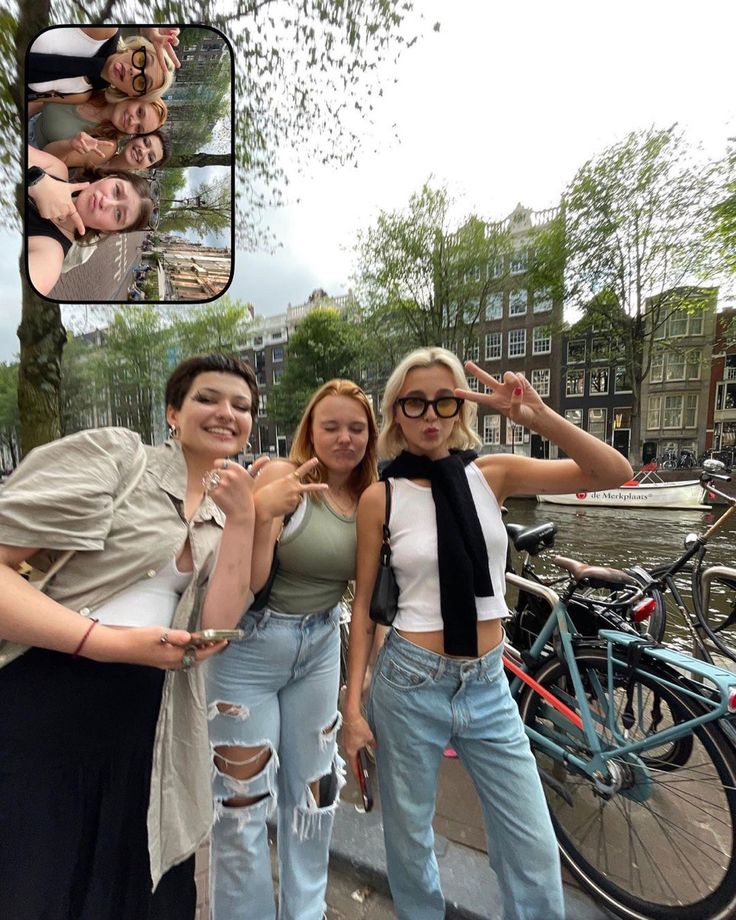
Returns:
(345, 508)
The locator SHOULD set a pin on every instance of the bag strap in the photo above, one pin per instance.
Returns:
(120, 497)
(386, 541)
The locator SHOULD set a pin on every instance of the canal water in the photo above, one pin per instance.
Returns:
(622, 537)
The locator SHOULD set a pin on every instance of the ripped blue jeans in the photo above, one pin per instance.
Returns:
(277, 692)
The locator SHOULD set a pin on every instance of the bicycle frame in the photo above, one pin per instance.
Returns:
(716, 706)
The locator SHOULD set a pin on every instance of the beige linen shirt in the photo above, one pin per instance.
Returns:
(61, 498)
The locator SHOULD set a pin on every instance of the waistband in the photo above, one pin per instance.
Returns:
(423, 658)
(296, 620)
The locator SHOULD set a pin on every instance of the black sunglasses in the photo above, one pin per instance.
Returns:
(416, 406)
(138, 59)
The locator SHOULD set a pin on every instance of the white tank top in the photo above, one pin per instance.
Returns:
(150, 602)
(65, 41)
(413, 526)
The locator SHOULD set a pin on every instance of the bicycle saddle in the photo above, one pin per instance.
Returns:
(596, 576)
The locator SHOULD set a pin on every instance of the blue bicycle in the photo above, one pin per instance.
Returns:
(635, 746)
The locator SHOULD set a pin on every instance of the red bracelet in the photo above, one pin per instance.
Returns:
(78, 649)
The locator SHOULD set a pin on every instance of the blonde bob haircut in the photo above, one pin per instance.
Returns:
(391, 441)
(302, 448)
(113, 94)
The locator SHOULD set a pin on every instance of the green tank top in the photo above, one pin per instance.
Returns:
(59, 122)
(316, 561)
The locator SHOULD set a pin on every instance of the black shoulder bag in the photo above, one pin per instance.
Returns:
(385, 597)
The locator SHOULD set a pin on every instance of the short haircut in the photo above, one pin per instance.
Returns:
(391, 441)
(302, 448)
(182, 377)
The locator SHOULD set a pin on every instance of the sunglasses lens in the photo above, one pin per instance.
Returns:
(448, 407)
(414, 408)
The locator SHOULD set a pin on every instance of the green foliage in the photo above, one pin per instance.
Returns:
(724, 212)
(421, 280)
(218, 326)
(208, 209)
(324, 346)
(9, 414)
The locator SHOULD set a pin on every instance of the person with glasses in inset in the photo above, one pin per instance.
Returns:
(439, 678)
(60, 213)
(68, 63)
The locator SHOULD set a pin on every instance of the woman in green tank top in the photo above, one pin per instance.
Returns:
(273, 698)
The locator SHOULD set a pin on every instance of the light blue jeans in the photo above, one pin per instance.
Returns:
(276, 690)
(419, 703)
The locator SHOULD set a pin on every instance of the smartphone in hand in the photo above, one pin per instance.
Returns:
(364, 780)
(204, 636)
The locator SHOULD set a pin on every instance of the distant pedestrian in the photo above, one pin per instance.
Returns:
(439, 678)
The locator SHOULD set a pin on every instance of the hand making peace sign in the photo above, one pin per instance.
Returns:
(513, 396)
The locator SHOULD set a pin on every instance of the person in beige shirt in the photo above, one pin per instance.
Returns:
(104, 758)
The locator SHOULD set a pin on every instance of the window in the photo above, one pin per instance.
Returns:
(574, 416)
(726, 396)
(677, 325)
(654, 411)
(623, 381)
(574, 383)
(729, 369)
(492, 429)
(517, 343)
(542, 300)
(494, 306)
(495, 269)
(517, 302)
(278, 373)
(473, 384)
(541, 341)
(518, 262)
(493, 346)
(696, 323)
(622, 417)
(656, 369)
(675, 369)
(262, 404)
(672, 412)
(597, 421)
(600, 350)
(691, 410)
(540, 381)
(576, 351)
(258, 340)
(692, 369)
(277, 354)
(472, 352)
(599, 381)
(514, 433)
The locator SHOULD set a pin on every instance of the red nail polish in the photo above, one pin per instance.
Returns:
(518, 391)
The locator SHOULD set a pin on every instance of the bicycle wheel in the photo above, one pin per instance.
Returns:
(719, 622)
(660, 842)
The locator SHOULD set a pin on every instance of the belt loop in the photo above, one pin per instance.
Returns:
(263, 617)
(440, 669)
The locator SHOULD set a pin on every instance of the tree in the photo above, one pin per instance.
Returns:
(724, 212)
(137, 352)
(307, 75)
(325, 345)
(207, 210)
(9, 416)
(217, 326)
(632, 245)
(423, 279)
(85, 390)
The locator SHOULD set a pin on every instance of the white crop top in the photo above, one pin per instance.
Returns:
(150, 602)
(65, 41)
(413, 526)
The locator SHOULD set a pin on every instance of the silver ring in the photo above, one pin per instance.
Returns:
(187, 661)
(164, 639)
(225, 464)
(211, 480)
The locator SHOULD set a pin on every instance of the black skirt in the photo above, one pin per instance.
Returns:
(76, 744)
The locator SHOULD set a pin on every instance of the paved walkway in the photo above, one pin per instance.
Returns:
(106, 275)
(358, 889)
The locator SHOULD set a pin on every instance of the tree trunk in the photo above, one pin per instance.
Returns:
(42, 339)
(186, 160)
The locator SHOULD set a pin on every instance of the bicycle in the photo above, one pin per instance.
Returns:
(598, 714)
(710, 629)
(633, 604)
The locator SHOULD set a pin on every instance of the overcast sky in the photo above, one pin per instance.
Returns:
(503, 105)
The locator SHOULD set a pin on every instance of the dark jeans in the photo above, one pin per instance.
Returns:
(76, 742)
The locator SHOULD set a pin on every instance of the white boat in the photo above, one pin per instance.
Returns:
(638, 494)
